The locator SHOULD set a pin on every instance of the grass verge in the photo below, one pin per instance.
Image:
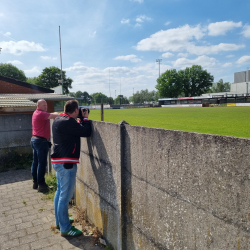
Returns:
(228, 121)
(51, 181)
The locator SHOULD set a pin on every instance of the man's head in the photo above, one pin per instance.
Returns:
(42, 105)
(71, 108)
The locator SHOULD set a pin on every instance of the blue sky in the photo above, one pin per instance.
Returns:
(111, 46)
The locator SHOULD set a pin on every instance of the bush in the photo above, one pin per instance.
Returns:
(14, 161)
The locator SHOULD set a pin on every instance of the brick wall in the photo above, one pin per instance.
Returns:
(10, 88)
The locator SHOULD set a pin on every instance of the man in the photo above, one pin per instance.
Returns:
(64, 157)
(39, 143)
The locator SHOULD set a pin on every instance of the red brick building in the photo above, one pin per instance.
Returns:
(21, 97)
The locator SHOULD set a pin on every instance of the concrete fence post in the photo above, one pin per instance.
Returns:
(123, 186)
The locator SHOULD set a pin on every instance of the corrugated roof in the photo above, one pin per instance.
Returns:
(37, 96)
(28, 100)
(16, 103)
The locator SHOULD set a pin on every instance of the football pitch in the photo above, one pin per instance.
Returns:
(229, 121)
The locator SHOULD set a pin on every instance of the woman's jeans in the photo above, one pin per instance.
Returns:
(40, 152)
(66, 179)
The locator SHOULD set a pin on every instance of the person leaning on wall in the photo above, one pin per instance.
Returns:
(64, 157)
(40, 144)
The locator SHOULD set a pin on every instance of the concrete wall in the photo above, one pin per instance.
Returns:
(98, 188)
(15, 133)
(149, 188)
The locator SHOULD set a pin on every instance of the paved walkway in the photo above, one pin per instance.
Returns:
(25, 218)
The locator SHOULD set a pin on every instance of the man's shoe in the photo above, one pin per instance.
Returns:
(43, 188)
(71, 220)
(35, 185)
(72, 232)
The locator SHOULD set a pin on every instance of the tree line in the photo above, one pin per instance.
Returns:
(187, 82)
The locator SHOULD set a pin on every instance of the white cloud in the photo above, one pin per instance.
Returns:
(229, 56)
(123, 21)
(49, 58)
(213, 49)
(92, 34)
(15, 62)
(171, 39)
(117, 70)
(221, 28)
(204, 61)
(246, 31)
(167, 55)
(34, 71)
(182, 54)
(142, 18)
(139, 1)
(167, 23)
(79, 67)
(226, 65)
(7, 34)
(20, 47)
(244, 60)
(98, 80)
(183, 39)
(132, 58)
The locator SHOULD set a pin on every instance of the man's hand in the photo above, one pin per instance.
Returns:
(85, 113)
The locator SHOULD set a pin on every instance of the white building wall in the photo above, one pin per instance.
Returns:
(240, 88)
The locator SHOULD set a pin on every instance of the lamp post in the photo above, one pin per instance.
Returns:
(159, 61)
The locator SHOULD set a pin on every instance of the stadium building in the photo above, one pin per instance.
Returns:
(239, 95)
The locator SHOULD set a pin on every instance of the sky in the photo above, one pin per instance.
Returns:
(111, 46)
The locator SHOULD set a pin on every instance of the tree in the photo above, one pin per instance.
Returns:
(78, 94)
(86, 97)
(220, 87)
(32, 80)
(110, 100)
(50, 76)
(120, 99)
(169, 84)
(99, 98)
(143, 96)
(192, 81)
(9, 70)
(200, 81)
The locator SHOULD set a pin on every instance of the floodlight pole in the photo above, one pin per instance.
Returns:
(159, 61)
(60, 81)
(247, 77)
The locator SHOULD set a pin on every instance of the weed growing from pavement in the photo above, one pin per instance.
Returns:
(41, 209)
(51, 181)
(87, 227)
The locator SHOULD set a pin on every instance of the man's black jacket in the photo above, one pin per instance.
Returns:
(66, 138)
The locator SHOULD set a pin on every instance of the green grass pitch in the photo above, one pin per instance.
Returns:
(229, 121)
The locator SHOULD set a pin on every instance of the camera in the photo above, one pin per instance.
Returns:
(80, 112)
